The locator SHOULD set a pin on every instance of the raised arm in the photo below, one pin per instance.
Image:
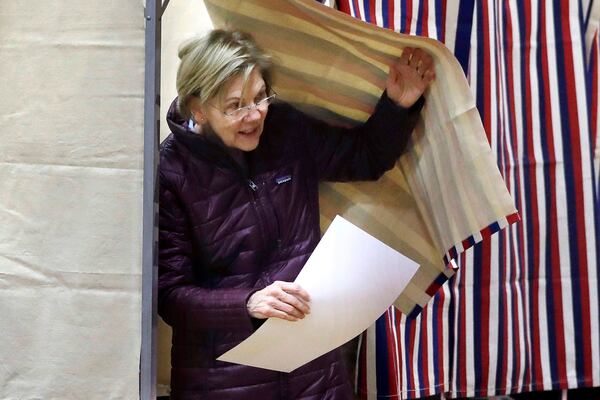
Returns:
(365, 152)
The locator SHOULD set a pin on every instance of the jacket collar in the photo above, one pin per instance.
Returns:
(199, 145)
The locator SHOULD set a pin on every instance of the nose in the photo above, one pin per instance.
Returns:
(253, 114)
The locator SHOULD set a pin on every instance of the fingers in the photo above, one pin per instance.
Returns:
(275, 308)
(292, 294)
(428, 76)
(406, 55)
(274, 313)
(287, 308)
(285, 300)
(425, 62)
(416, 59)
(420, 61)
(294, 288)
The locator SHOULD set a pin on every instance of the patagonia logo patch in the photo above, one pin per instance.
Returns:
(283, 179)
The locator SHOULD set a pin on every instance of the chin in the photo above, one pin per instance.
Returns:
(247, 146)
(248, 142)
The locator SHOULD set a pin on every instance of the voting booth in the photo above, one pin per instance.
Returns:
(85, 92)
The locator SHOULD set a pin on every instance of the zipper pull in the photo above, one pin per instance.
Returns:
(252, 185)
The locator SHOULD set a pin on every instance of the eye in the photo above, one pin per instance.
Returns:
(230, 107)
(260, 96)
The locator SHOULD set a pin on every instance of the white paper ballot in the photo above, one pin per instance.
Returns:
(352, 278)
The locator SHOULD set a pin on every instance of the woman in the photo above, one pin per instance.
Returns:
(239, 212)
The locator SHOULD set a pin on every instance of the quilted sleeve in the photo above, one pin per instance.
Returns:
(364, 152)
(180, 301)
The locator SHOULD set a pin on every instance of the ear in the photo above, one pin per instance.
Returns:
(197, 110)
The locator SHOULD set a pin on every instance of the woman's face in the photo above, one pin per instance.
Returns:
(241, 129)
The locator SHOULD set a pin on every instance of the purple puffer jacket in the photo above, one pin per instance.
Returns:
(227, 231)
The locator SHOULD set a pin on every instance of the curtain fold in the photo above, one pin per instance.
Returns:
(521, 314)
(446, 193)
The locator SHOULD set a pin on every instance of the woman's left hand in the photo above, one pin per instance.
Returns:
(410, 76)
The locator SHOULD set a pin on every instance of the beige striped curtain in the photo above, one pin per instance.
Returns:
(446, 193)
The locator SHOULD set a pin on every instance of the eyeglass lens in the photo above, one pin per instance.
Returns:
(244, 111)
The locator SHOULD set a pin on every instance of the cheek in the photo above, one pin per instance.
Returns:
(226, 132)
(262, 120)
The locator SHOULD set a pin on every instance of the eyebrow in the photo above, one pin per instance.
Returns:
(263, 88)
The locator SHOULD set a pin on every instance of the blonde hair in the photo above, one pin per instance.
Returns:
(209, 62)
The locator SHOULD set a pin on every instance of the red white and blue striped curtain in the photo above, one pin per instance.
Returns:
(522, 312)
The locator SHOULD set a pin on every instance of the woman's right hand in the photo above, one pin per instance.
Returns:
(285, 300)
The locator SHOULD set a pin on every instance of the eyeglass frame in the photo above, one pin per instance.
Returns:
(267, 100)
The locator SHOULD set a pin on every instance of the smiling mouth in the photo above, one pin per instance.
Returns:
(248, 132)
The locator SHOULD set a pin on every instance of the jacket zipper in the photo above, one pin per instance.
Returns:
(252, 185)
(275, 218)
(265, 213)
(283, 386)
(262, 219)
(253, 189)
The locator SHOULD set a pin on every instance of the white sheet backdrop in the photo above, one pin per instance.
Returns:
(71, 120)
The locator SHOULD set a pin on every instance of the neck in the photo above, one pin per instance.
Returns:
(237, 154)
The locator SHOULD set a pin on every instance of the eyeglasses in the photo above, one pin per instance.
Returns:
(242, 112)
